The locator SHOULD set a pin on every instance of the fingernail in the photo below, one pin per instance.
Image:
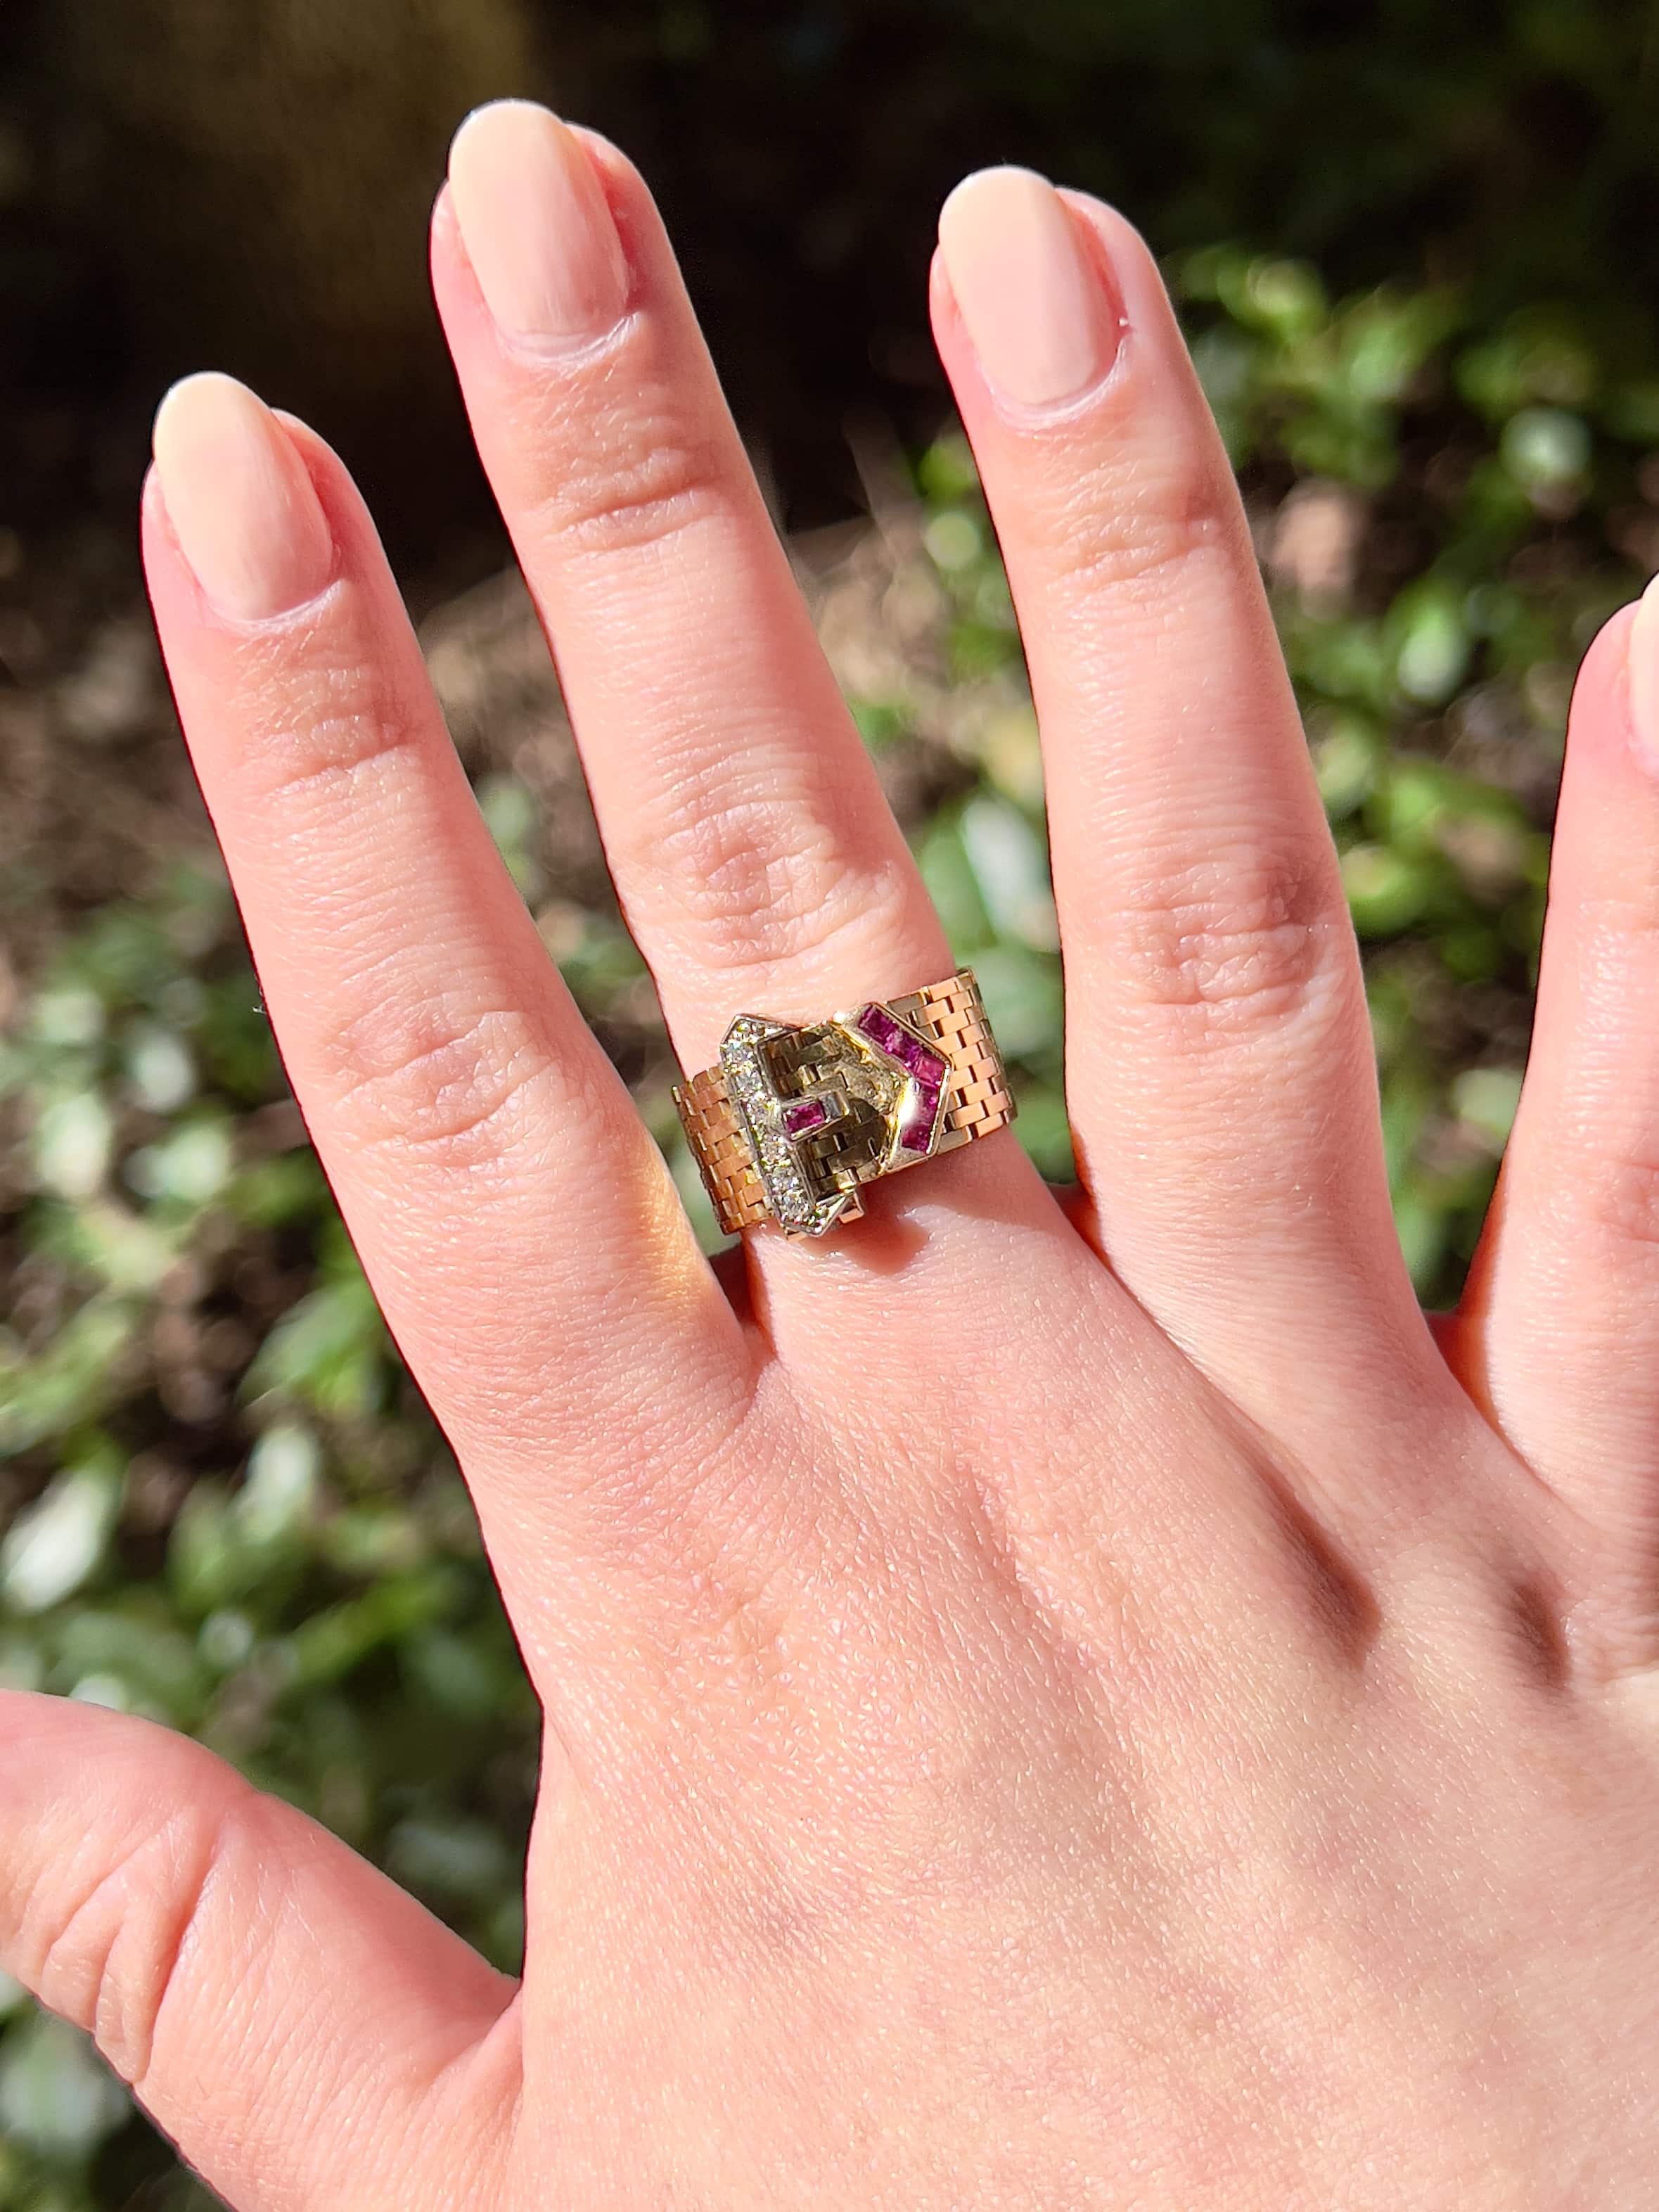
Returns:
(240, 499)
(1642, 675)
(537, 225)
(1033, 304)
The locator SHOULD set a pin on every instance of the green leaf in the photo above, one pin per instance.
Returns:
(58, 1543)
(56, 2096)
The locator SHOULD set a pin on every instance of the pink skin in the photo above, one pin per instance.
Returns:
(1564, 1299)
(1046, 1706)
(1220, 983)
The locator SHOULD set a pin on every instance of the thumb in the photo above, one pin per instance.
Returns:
(305, 2032)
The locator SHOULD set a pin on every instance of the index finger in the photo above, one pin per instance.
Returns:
(517, 1222)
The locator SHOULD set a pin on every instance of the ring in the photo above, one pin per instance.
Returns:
(792, 1119)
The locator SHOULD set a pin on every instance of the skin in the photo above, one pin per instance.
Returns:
(1045, 1708)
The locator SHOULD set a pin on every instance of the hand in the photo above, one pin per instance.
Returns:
(1041, 1712)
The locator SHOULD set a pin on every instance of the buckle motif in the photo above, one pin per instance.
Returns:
(796, 1117)
(832, 1105)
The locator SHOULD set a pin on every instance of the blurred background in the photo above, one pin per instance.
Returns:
(1416, 248)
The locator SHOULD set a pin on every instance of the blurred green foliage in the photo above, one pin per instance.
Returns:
(276, 160)
(305, 1590)
(226, 1505)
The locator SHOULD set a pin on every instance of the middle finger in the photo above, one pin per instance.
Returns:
(758, 863)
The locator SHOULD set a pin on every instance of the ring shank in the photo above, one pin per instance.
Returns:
(978, 1101)
(720, 1147)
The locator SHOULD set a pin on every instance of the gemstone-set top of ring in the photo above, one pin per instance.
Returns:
(833, 1105)
(794, 1118)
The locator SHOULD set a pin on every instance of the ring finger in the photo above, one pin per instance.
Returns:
(1218, 1055)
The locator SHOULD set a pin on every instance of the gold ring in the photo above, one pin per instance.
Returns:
(793, 1118)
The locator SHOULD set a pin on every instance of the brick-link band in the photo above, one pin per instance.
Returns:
(721, 1151)
(978, 1101)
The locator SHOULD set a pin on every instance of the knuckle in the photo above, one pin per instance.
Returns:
(631, 472)
(1226, 945)
(1617, 946)
(342, 715)
(1142, 517)
(453, 1084)
(758, 880)
(112, 1956)
(1619, 1193)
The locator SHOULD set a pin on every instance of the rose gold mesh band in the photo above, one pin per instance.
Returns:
(978, 1101)
(720, 1149)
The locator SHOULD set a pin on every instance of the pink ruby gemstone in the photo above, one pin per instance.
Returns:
(804, 1115)
(878, 1025)
(912, 1054)
(924, 1067)
(916, 1130)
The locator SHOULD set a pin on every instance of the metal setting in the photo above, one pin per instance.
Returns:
(794, 1119)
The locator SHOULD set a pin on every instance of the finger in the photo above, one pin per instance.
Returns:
(1220, 1063)
(306, 2034)
(754, 853)
(513, 1214)
(1559, 1334)
(751, 842)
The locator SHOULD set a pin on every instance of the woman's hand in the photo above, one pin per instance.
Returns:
(1041, 1712)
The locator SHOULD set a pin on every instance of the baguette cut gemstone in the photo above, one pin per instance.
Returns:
(916, 1129)
(924, 1065)
(798, 1116)
(880, 1027)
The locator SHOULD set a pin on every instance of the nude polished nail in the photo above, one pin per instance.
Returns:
(1036, 308)
(1642, 675)
(240, 499)
(537, 225)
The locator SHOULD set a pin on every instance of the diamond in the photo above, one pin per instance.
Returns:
(874, 1060)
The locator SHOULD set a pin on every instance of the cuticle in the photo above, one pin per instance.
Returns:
(1061, 412)
(304, 610)
(538, 353)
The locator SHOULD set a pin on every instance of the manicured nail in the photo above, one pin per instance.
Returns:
(1642, 675)
(537, 225)
(1036, 310)
(240, 499)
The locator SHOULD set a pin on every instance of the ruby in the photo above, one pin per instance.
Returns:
(912, 1054)
(802, 1116)
(878, 1025)
(916, 1130)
